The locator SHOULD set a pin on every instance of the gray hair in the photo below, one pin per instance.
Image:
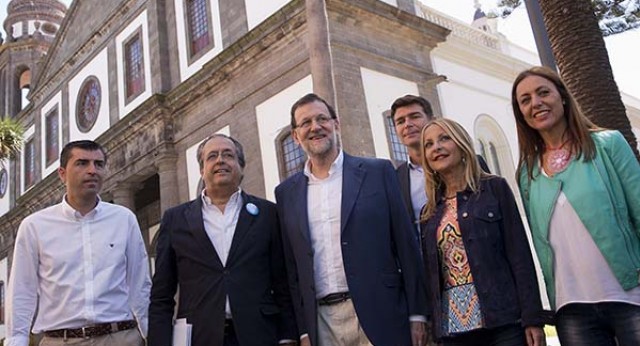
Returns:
(239, 151)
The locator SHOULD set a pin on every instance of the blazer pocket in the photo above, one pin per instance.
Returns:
(392, 280)
(269, 309)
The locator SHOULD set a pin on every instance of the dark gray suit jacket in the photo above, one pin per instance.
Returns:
(254, 278)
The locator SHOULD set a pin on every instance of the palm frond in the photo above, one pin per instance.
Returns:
(10, 138)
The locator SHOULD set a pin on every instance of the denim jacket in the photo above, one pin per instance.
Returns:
(499, 256)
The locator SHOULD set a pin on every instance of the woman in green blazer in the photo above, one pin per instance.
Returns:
(581, 190)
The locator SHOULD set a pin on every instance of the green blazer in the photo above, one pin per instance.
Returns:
(605, 193)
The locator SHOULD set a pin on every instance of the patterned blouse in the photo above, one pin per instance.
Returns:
(460, 305)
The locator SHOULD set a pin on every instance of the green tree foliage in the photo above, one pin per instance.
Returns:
(10, 138)
(614, 16)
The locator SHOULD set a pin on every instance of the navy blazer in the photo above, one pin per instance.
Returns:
(499, 256)
(380, 255)
(254, 278)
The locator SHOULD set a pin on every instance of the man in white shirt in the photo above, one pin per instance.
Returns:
(354, 266)
(81, 264)
(224, 251)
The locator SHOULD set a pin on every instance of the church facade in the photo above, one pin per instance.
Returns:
(150, 79)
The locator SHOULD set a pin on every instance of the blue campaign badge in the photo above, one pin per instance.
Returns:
(252, 209)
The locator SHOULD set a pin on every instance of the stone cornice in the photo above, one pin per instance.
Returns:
(432, 31)
(487, 60)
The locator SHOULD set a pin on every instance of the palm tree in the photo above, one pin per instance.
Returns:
(581, 55)
(10, 138)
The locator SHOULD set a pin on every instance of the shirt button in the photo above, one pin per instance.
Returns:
(490, 214)
(465, 197)
(465, 214)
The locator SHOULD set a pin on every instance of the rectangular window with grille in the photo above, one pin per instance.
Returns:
(134, 67)
(51, 136)
(29, 163)
(292, 157)
(397, 149)
(199, 30)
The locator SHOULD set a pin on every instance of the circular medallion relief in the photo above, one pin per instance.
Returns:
(88, 105)
(4, 182)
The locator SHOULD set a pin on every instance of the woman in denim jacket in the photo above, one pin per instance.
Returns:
(482, 285)
(580, 186)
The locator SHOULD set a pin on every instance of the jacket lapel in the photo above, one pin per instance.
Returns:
(352, 177)
(245, 220)
(193, 215)
(300, 205)
(405, 187)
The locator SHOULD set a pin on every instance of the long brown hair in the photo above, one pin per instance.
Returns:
(579, 127)
(433, 181)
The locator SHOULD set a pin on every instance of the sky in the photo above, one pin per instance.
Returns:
(624, 59)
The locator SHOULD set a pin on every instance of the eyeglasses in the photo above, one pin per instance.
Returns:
(319, 119)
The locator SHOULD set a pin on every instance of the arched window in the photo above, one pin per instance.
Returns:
(2, 304)
(494, 159)
(483, 150)
(25, 86)
(397, 150)
(290, 156)
(494, 147)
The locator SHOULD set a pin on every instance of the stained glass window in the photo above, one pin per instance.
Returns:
(88, 105)
(51, 136)
(134, 71)
(197, 16)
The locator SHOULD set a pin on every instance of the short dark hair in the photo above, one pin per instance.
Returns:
(408, 100)
(239, 150)
(306, 99)
(88, 145)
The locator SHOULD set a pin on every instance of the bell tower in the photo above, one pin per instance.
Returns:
(30, 27)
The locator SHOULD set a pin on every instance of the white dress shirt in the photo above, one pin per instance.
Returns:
(324, 201)
(418, 193)
(220, 227)
(77, 270)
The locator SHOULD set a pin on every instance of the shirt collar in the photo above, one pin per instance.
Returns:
(414, 167)
(336, 166)
(71, 213)
(234, 199)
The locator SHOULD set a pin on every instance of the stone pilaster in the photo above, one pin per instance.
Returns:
(123, 194)
(167, 172)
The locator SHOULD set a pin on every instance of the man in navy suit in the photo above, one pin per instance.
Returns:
(224, 251)
(354, 266)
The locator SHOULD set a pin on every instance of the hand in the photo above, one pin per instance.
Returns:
(535, 336)
(304, 341)
(418, 334)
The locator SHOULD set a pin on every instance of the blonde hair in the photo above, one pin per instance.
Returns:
(433, 181)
